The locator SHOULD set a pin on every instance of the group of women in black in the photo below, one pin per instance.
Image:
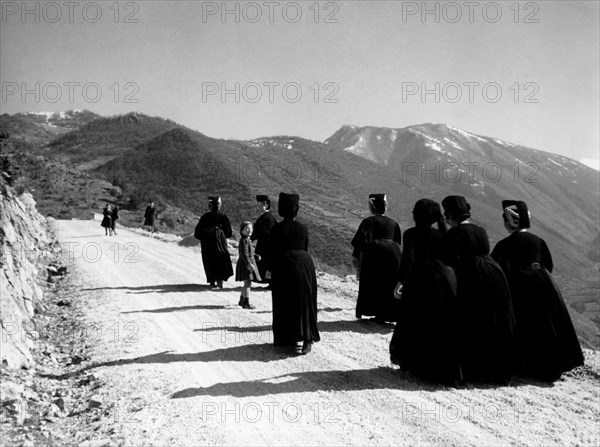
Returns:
(283, 262)
(462, 314)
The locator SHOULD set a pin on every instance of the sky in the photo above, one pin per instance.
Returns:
(525, 72)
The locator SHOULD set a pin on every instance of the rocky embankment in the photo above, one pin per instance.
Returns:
(24, 243)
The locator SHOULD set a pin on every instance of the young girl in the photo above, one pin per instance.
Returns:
(246, 269)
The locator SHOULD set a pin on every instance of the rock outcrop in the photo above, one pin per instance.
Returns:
(24, 241)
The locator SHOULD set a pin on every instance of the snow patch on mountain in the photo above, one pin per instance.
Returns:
(466, 134)
(453, 144)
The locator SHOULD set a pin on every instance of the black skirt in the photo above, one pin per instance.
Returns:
(379, 273)
(545, 334)
(294, 293)
(486, 321)
(215, 257)
(425, 337)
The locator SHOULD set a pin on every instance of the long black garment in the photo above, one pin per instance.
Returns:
(545, 334)
(106, 219)
(262, 229)
(377, 245)
(212, 230)
(484, 312)
(293, 283)
(424, 339)
(149, 216)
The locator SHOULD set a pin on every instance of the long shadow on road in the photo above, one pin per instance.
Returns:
(264, 352)
(179, 309)
(361, 326)
(382, 377)
(167, 288)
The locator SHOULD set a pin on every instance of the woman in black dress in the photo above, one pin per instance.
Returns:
(376, 257)
(149, 216)
(114, 216)
(106, 219)
(484, 312)
(262, 229)
(294, 281)
(423, 338)
(212, 230)
(546, 338)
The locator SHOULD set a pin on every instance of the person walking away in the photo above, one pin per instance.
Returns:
(150, 216)
(545, 334)
(376, 257)
(484, 313)
(294, 280)
(114, 217)
(212, 230)
(423, 340)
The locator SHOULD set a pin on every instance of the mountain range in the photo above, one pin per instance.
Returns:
(131, 158)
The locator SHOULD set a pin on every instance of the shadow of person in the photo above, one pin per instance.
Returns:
(360, 326)
(179, 309)
(262, 352)
(159, 288)
(383, 377)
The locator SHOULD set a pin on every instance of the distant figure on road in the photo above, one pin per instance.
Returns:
(485, 320)
(246, 269)
(262, 229)
(545, 335)
(212, 230)
(106, 219)
(422, 341)
(376, 257)
(114, 217)
(150, 216)
(294, 281)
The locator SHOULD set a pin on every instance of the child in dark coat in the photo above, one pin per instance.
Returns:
(246, 269)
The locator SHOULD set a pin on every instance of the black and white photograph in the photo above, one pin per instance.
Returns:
(310, 222)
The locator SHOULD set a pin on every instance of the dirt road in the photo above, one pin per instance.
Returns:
(184, 365)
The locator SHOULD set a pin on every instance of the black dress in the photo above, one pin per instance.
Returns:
(149, 216)
(377, 246)
(293, 283)
(545, 334)
(106, 219)
(424, 339)
(262, 229)
(114, 217)
(212, 230)
(484, 312)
